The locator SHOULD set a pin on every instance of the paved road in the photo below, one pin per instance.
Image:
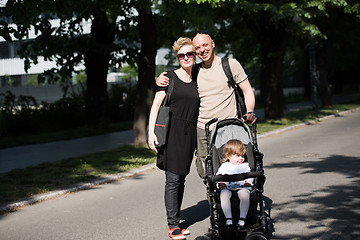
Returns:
(313, 180)
(312, 191)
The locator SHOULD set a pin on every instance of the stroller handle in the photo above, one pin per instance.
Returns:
(235, 177)
(207, 125)
(207, 130)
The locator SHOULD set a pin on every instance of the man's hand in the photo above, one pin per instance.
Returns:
(162, 80)
(250, 117)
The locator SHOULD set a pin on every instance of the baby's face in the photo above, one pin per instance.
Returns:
(236, 159)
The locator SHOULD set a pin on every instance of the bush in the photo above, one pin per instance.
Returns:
(23, 115)
(17, 114)
(122, 102)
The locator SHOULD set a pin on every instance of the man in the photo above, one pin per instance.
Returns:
(217, 97)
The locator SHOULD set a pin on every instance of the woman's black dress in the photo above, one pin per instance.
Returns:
(181, 142)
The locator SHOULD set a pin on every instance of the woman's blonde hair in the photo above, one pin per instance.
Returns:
(233, 146)
(182, 41)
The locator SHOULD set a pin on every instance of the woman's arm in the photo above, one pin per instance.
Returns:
(158, 99)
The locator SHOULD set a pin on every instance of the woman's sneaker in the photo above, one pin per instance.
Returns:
(176, 233)
(185, 231)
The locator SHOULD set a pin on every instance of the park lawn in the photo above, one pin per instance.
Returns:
(45, 177)
(22, 183)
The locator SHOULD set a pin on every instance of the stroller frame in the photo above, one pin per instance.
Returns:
(261, 229)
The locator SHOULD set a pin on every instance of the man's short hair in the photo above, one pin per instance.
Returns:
(202, 32)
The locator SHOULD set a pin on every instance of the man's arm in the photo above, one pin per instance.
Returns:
(162, 80)
(249, 96)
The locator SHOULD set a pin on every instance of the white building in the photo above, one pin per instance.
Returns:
(14, 78)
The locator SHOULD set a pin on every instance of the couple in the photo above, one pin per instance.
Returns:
(192, 105)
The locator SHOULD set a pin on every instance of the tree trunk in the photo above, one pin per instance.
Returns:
(324, 52)
(146, 68)
(273, 40)
(96, 67)
(324, 89)
(272, 54)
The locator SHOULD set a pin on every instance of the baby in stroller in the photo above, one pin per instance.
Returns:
(235, 191)
(234, 156)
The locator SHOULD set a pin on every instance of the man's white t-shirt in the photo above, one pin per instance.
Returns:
(217, 97)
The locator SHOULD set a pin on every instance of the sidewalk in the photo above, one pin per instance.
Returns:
(30, 155)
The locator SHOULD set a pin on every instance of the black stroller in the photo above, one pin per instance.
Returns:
(258, 223)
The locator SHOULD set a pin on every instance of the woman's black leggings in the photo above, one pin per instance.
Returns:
(174, 192)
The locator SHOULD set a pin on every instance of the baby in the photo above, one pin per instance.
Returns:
(234, 157)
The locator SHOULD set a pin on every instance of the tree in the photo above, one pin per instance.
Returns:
(146, 66)
(62, 35)
(338, 54)
(272, 23)
(167, 22)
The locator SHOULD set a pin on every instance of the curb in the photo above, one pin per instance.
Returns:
(74, 188)
(285, 129)
(111, 178)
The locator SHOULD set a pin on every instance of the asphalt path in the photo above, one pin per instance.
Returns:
(32, 155)
(312, 192)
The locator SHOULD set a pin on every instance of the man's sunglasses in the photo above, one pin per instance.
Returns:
(181, 56)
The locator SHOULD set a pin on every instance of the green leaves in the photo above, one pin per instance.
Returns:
(353, 9)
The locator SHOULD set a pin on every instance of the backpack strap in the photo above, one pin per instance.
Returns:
(240, 104)
(195, 71)
(226, 66)
(169, 90)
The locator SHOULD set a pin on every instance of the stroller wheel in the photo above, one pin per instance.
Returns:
(268, 228)
(256, 236)
(207, 236)
(204, 237)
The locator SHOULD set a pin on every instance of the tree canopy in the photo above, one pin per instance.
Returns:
(265, 36)
(273, 24)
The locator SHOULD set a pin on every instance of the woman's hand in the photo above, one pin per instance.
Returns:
(152, 142)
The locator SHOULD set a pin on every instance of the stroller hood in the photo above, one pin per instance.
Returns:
(232, 128)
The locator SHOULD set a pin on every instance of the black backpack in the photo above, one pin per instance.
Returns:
(240, 103)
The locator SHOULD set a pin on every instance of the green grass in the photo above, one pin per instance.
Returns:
(302, 116)
(46, 177)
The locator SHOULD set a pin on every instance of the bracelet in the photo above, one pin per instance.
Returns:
(252, 113)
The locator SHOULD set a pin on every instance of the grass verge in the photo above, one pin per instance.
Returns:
(46, 177)
(21, 183)
(302, 116)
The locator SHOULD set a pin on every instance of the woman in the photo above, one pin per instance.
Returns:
(181, 141)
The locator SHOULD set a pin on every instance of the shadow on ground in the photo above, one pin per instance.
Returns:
(337, 202)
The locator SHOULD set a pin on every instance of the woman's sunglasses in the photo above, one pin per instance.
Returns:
(181, 56)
